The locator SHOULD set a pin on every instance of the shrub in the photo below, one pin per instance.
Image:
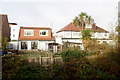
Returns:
(108, 62)
(71, 54)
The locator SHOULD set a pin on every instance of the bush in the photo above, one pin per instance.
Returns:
(71, 54)
(108, 62)
(75, 65)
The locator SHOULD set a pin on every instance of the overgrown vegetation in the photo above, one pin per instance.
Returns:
(77, 64)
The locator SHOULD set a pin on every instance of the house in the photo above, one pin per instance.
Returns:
(72, 34)
(36, 38)
(14, 33)
(4, 30)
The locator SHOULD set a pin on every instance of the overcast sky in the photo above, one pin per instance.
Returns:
(58, 13)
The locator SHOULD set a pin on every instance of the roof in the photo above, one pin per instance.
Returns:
(71, 27)
(12, 23)
(34, 37)
(46, 28)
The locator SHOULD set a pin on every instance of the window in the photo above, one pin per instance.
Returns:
(104, 42)
(68, 34)
(13, 35)
(11, 46)
(88, 26)
(13, 29)
(43, 32)
(28, 32)
(34, 45)
(105, 34)
(76, 33)
(23, 45)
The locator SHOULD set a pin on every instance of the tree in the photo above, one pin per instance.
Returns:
(86, 38)
(81, 21)
(118, 30)
(5, 43)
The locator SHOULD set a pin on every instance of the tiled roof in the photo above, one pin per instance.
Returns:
(71, 27)
(12, 23)
(36, 34)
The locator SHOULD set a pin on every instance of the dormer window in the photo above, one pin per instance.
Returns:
(28, 32)
(43, 32)
(88, 26)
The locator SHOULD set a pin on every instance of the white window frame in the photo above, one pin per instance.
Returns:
(43, 30)
(29, 30)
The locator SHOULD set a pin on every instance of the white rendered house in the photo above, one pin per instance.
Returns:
(14, 33)
(72, 34)
(37, 38)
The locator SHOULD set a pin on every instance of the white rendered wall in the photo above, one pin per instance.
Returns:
(42, 45)
(101, 35)
(69, 34)
(14, 32)
(28, 45)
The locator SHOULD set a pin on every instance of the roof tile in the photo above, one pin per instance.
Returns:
(71, 27)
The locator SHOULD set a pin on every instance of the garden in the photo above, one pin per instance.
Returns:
(76, 64)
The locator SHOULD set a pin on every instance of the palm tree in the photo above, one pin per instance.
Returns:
(86, 38)
(81, 21)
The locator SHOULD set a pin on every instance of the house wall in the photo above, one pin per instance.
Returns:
(69, 34)
(14, 32)
(41, 45)
(75, 34)
(101, 35)
(72, 40)
(58, 40)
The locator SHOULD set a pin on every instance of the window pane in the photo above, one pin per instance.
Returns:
(28, 32)
(34, 45)
(43, 32)
(23, 45)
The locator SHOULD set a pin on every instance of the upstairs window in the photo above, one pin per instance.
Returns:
(88, 26)
(13, 35)
(13, 29)
(43, 32)
(28, 32)
(105, 34)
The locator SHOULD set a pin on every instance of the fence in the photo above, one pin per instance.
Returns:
(45, 61)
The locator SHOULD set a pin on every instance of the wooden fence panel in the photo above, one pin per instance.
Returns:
(45, 61)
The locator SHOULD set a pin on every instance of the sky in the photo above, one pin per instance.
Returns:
(56, 14)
